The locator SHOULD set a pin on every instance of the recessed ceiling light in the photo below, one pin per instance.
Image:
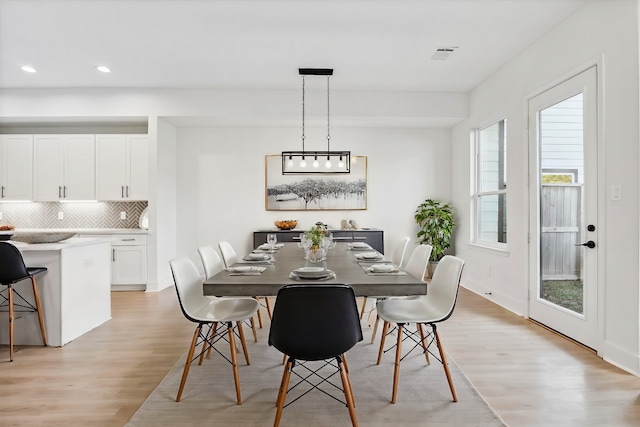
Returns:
(28, 69)
(103, 69)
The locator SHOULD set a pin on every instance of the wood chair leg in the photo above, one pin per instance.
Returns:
(268, 305)
(11, 321)
(205, 345)
(284, 359)
(364, 304)
(234, 362)
(375, 329)
(243, 342)
(445, 364)
(282, 393)
(346, 368)
(187, 364)
(396, 371)
(259, 318)
(385, 329)
(253, 329)
(36, 297)
(348, 394)
(422, 341)
(213, 334)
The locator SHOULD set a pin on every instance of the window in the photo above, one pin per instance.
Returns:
(491, 184)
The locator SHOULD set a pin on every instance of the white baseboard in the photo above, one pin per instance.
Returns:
(502, 300)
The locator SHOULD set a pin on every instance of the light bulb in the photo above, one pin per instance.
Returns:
(315, 163)
(290, 162)
(303, 163)
(327, 164)
(340, 164)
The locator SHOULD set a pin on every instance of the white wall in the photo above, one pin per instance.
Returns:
(606, 31)
(221, 180)
(373, 121)
(163, 210)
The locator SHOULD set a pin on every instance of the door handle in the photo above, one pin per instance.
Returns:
(590, 244)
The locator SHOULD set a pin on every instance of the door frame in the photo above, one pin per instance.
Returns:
(532, 258)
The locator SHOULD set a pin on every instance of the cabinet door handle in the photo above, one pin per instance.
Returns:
(2, 195)
(122, 191)
(113, 255)
(59, 192)
(359, 238)
(64, 191)
(342, 238)
(127, 191)
(127, 240)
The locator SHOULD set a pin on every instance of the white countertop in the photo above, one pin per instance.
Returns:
(80, 230)
(69, 243)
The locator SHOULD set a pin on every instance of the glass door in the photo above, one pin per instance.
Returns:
(563, 200)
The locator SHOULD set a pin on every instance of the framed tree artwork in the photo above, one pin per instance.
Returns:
(320, 191)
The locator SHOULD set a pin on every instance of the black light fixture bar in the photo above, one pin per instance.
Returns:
(315, 71)
(302, 162)
(316, 162)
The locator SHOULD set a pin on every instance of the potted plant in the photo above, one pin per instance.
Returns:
(436, 226)
(314, 238)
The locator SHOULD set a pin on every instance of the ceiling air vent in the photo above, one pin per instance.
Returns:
(443, 53)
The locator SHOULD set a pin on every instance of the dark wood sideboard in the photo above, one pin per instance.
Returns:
(373, 237)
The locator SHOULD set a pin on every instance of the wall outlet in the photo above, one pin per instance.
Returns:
(123, 215)
(60, 215)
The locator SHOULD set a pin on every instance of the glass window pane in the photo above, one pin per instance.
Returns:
(492, 159)
(492, 218)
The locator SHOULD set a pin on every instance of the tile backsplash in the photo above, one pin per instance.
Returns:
(74, 214)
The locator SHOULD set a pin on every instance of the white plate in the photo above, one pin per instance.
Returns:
(382, 268)
(370, 255)
(359, 245)
(311, 272)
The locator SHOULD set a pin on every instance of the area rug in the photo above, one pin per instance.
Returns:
(209, 395)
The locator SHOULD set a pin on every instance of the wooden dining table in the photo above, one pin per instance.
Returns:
(341, 260)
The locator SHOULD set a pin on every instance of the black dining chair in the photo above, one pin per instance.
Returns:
(13, 271)
(315, 323)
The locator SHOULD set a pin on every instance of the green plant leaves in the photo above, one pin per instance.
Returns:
(436, 226)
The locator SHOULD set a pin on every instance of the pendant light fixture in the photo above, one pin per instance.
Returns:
(310, 162)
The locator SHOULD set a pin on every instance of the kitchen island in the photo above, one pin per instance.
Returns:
(74, 291)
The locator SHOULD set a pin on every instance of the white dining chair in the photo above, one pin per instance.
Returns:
(230, 257)
(399, 252)
(397, 257)
(209, 312)
(418, 261)
(435, 307)
(213, 264)
(416, 266)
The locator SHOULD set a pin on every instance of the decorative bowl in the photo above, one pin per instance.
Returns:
(41, 237)
(287, 224)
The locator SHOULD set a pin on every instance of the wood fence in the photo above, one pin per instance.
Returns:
(561, 219)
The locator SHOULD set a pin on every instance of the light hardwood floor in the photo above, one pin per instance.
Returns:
(530, 376)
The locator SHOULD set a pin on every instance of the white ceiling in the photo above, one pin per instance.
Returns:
(379, 45)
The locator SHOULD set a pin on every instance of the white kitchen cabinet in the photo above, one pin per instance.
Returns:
(122, 170)
(128, 261)
(16, 176)
(64, 167)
